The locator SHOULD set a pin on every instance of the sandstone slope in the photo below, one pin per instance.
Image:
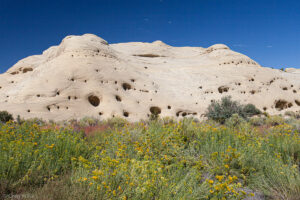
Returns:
(86, 76)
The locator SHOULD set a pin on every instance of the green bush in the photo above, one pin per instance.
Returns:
(224, 109)
(250, 110)
(221, 110)
(5, 116)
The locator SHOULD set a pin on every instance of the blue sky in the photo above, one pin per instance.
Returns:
(268, 31)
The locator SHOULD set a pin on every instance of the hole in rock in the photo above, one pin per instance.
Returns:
(67, 107)
(69, 97)
(57, 93)
(155, 110)
(28, 110)
(294, 91)
(252, 91)
(169, 107)
(284, 88)
(72, 79)
(125, 114)
(282, 104)
(94, 100)
(116, 82)
(118, 98)
(126, 86)
(148, 55)
(222, 89)
(14, 73)
(28, 69)
(264, 108)
(100, 113)
(38, 95)
(48, 108)
(85, 81)
(132, 80)
(297, 102)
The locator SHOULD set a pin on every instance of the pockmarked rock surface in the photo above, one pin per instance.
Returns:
(86, 76)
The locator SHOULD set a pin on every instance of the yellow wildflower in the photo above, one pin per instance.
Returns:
(220, 178)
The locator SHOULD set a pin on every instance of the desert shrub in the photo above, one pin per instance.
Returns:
(289, 113)
(275, 120)
(292, 114)
(234, 120)
(168, 120)
(257, 121)
(153, 117)
(224, 109)
(116, 122)
(37, 121)
(19, 120)
(5, 116)
(88, 121)
(250, 110)
(294, 122)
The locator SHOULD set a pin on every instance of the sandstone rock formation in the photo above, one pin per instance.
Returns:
(86, 76)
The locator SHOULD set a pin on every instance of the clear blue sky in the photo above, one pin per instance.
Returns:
(266, 30)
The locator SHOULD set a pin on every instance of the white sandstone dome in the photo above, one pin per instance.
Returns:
(216, 47)
(86, 76)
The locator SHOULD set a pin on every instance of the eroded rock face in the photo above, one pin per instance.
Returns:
(86, 76)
